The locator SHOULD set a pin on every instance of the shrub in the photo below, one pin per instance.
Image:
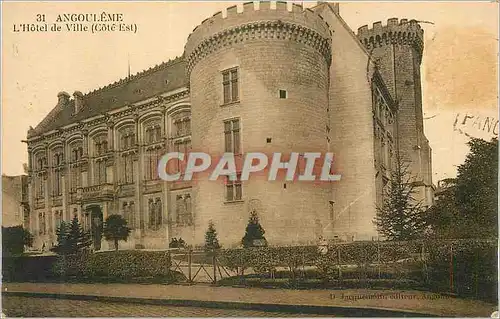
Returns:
(211, 241)
(115, 229)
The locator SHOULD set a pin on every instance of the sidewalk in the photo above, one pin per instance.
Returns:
(355, 302)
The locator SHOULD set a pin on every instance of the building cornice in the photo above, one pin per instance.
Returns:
(115, 115)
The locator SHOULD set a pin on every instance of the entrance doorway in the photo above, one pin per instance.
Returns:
(96, 225)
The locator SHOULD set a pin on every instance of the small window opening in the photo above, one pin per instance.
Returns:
(268, 140)
(283, 94)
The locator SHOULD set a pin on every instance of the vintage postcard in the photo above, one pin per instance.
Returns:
(257, 159)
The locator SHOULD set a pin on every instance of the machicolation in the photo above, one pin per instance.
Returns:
(258, 21)
(402, 32)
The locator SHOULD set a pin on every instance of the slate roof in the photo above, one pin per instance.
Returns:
(162, 78)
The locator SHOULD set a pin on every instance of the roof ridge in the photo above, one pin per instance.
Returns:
(133, 77)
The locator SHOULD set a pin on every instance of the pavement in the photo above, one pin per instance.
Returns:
(349, 302)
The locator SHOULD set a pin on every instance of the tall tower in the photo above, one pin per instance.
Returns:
(259, 79)
(397, 49)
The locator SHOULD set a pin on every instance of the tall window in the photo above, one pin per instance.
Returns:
(76, 154)
(153, 134)
(129, 214)
(59, 218)
(39, 184)
(127, 142)
(75, 178)
(184, 216)
(57, 164)
(154, 149)
(230, 85)
(181, 146)
(127, 139)
(182, 125)
(127, 168)
(100, 145)
(155, 213)
(233, 189)
(232, 136)
(99, 172)
(41, 222)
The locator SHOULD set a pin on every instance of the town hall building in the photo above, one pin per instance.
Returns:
(261, 77)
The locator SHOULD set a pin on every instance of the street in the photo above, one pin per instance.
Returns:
(14, 306)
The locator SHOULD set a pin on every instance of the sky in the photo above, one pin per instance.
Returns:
(459, 69)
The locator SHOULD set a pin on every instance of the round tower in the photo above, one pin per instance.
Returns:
(259, 82)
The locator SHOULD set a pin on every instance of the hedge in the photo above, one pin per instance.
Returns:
(472, 271)
(27, 268)
(115, 264)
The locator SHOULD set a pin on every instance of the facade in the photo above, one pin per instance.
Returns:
(15, 209)
(265, 78)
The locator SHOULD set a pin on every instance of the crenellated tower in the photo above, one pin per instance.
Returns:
(259, 79)
(396, 49)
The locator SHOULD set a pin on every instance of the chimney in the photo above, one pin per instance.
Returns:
(63, 98)
(78, 96)
(336, 7)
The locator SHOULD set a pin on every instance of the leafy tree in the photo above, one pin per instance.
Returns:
(14, 239)
(469, 208)
(254, 231)
(211, 241)
(400, 217)
(115, 229)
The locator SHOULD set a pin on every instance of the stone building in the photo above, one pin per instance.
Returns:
(15, 209)
(264, 77)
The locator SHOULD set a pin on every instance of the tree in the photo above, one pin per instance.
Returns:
(71, 238)
(14, 239)
(469, 208)
(254, 232)
(62, 233)
(211, 241)
(401, 216)
(115, 229)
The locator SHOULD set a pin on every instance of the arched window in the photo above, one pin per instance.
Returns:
(100, 149)
(181, 133)
(57, 164)
(153, 139)
(126, 144)
(100, 144)
(76, 155)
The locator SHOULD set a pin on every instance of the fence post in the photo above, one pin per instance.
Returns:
(189, 265)
(378, 257)
(339, 262)
(214, 264)
(476, 275)
(451, 267)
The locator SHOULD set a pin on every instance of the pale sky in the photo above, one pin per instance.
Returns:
(459, 66)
